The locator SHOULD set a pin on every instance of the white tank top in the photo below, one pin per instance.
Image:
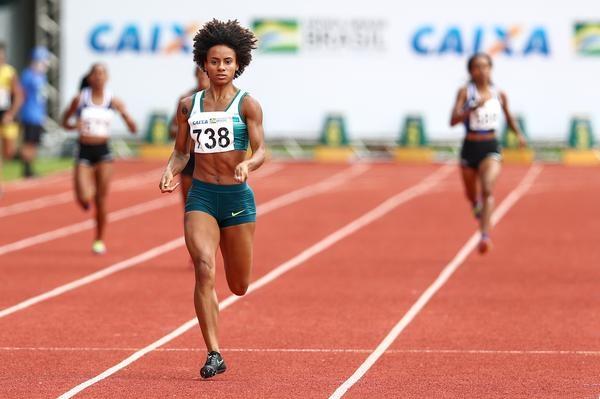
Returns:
(487, 117)
(95, 119)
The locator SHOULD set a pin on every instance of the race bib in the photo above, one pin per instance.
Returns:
(486, 117)
(96, 121)
(212, 132)
(4, 99)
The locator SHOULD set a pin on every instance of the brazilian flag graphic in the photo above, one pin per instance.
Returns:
(587, 38)
(277, 35)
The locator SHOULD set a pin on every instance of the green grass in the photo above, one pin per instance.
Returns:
(12, 170)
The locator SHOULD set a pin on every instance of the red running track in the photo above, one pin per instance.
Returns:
(519, 322)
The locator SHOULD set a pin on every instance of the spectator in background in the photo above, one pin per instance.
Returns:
(11, 98)
(34, 110)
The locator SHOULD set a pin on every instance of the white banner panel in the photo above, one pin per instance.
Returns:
(374, 61)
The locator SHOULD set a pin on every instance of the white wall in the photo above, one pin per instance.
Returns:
(374, 79)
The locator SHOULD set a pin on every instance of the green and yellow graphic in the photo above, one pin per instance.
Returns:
(581, 136)
(412, 142)
(587, 38)
(158, 128)
(334, 131)
(277, 35)
(413, 132)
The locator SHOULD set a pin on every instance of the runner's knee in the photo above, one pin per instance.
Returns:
(238, 288)
(204, 269)
(486, 192)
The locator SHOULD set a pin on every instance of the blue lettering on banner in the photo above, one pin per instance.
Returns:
(134, 38)
(417, 41)
(180, 33)
(511, 41)
(95, 43)
(130, 40)
(452, 42)
(503, 38)
(538, 42)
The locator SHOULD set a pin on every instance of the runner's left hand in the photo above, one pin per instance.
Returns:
(241, 172)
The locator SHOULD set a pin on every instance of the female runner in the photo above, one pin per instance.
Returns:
(94, 107)
(220, 210)
(479, 105)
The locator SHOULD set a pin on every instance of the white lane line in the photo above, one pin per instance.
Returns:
(313, 189)
(54, 178)
(46, 201)
(36, 182)
(495, 352)
(113, 216)
(224, 350)
(38, 203)
(374, 214)
(123, 184)
(125, 264)
(78, 227)
(266, 170)
(318, 350)
(443, 277)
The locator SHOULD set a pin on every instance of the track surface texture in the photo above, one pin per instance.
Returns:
(344, 254)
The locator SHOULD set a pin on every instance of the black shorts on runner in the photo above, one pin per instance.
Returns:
(32, 134)
(189, 167)
(474, 152)
(92, 154)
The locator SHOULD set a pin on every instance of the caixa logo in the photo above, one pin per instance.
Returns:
(506, 40)
(169, 38)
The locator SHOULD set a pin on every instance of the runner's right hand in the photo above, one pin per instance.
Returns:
(166, 182)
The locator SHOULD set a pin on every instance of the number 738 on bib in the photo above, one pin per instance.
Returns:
(215, 135)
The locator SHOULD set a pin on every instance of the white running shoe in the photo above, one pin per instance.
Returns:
(98, 247)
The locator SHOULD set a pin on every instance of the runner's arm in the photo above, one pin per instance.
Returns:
(180, 155)
(458, 111)
(68, 114)
(510, 120)
(119, 106)
(254, 121)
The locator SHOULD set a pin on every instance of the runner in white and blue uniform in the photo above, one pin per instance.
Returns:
(220, 122)
(94, 109)
(479, 106)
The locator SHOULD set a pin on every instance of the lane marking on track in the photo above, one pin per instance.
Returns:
(78, 227)
(266, 170)
(443, 277)
(38, 203)
(263, 209)
(123, 184)
(318, 350)
(114, 216)
(421, 188)
(36, 182)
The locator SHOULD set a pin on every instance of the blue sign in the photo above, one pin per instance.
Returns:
(510, 41)
(134, 38)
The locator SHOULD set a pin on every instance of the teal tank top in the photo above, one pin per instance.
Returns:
(218, 131)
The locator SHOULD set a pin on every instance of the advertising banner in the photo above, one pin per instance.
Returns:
(373, 62)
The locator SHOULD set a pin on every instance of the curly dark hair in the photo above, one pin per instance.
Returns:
(231, 34)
